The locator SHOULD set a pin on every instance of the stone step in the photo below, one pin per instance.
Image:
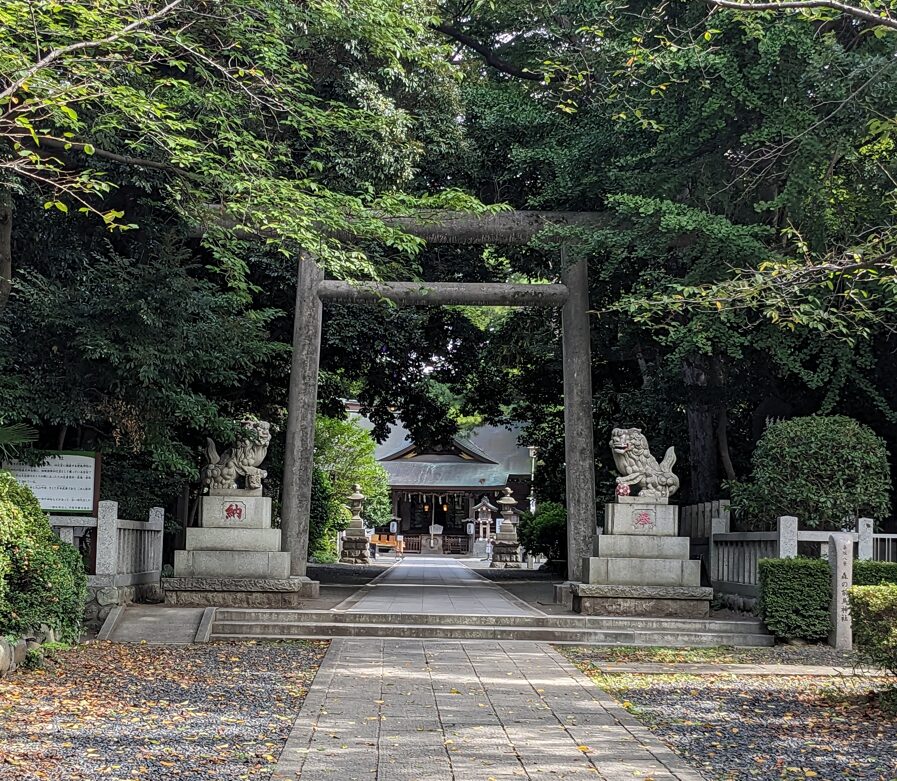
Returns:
(235, 630)
(615, 623)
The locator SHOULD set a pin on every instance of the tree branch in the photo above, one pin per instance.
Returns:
(850, 10)
(491, 59)
(57, 53)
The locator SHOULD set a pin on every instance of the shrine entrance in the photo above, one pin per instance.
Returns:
(571, 295)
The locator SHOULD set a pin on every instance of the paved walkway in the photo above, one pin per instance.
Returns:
(438, 587)
(429, 710)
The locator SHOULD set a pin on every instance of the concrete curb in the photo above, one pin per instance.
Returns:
(109, 624)
(204, 630)
(757, 670)
(295, 751)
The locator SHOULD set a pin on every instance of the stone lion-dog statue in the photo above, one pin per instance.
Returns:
(638, 468)
(242, 460)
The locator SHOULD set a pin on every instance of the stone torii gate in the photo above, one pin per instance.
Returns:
(572, 296)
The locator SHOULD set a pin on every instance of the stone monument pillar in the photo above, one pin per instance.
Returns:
(641, 566)
(356, 544)
(233, 559)
(506, 550)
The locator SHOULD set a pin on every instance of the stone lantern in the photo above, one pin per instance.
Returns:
(355, 544)
(506, 551)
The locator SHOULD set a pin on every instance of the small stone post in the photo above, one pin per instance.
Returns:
(156, 521)
(355, 543)
(506, 552)
(840, 559)
(107, 539)
(66, 534)
(787, 529)
(865, 539)
(717, 526)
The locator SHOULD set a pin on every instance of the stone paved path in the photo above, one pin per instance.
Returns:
(429, 710)
(436, 586)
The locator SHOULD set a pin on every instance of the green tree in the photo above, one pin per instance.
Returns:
(227, 110)
(344, 452)
(826, 470)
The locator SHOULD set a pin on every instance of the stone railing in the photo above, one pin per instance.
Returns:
(126, 558)
(732, 557)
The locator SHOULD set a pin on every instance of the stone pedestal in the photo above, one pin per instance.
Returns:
(234, 558)
(641, 567)
(505, 555)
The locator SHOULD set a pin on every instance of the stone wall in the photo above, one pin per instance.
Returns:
(14, 652)
(102, 598)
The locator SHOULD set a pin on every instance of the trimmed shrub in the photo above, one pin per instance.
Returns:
(42, 579)
(824, 469)
(874, 573)
(545, 532)
(795, 595)
(326, 518)
(874, 613)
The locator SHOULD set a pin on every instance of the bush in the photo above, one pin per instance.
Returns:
(795, 595)
(874, 613)
(874, 573)
(42, 579)
(545, 532)
(824, 470)
(325, 519)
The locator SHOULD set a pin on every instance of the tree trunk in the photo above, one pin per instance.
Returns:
(702, 442)
(722, 418)
(5, 249)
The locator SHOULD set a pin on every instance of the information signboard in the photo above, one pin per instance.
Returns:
(67, 481)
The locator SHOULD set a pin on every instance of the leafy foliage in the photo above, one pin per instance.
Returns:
(874, 573)
(826, 470)
(325, 519)
(231, 107)
(544, 533)
(873, 610)
(42, 579)
(795, 595)
(344, 453)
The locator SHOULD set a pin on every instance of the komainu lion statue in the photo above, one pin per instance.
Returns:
(637, 467)
(242, 460)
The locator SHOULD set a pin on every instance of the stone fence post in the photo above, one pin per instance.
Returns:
(840, 560)
(156, 521)
(864, 539)
(786, 526)
(717, 526)
(107, 539)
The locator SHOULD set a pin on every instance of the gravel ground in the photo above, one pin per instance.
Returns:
(154, 713)
(765, 728)
(779, 654)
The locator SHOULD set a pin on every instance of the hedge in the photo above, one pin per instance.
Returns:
(545, 532)
(42, 579)
(795, 596)
(874, 573)
(874, 613)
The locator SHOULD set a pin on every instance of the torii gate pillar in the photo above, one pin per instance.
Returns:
(579, 448)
